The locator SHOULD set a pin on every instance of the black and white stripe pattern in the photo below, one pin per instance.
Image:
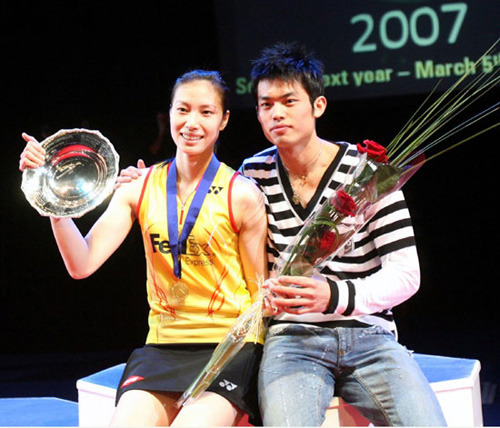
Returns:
(365, 292)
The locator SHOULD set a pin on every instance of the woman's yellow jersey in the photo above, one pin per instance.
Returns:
(212, 271)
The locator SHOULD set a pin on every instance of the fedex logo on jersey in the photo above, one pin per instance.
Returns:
(193, 248)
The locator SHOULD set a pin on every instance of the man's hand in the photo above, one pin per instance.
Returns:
(130, 173)
(297, 294)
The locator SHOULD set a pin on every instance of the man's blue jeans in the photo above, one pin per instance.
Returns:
(304, 366)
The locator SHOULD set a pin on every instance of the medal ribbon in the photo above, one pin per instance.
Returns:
(178, 246)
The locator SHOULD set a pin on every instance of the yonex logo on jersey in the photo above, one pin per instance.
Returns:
(215, 189)
(228, 385)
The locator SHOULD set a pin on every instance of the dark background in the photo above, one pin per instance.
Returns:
(109, 67)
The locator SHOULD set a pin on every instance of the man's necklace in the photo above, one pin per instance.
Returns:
(302, 179)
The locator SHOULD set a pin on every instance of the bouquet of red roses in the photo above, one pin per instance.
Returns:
(326, 232)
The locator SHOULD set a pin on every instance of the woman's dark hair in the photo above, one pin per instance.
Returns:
(289, 62)
(213, 77)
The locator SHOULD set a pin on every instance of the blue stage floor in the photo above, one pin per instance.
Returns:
(38, 411)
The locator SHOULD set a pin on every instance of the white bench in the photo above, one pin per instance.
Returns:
(455, 382)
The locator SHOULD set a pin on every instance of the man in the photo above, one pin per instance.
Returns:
(337, 336)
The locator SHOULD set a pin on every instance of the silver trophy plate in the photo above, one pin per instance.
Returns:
(80, 170)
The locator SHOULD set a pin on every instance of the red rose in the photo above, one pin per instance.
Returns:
(344, 203)
(328, 241)
(374, 150)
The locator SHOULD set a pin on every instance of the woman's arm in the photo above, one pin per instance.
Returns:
(84, 255)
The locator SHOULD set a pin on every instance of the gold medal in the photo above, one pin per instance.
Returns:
(178, 292)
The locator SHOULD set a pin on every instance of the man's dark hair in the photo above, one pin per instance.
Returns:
(289, 62)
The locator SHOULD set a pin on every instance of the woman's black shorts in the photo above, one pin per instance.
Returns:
(173, 367)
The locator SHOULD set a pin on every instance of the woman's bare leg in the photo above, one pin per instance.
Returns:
(209, 409)
(144, 408)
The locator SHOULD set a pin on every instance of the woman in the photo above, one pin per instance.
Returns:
(201, 274)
